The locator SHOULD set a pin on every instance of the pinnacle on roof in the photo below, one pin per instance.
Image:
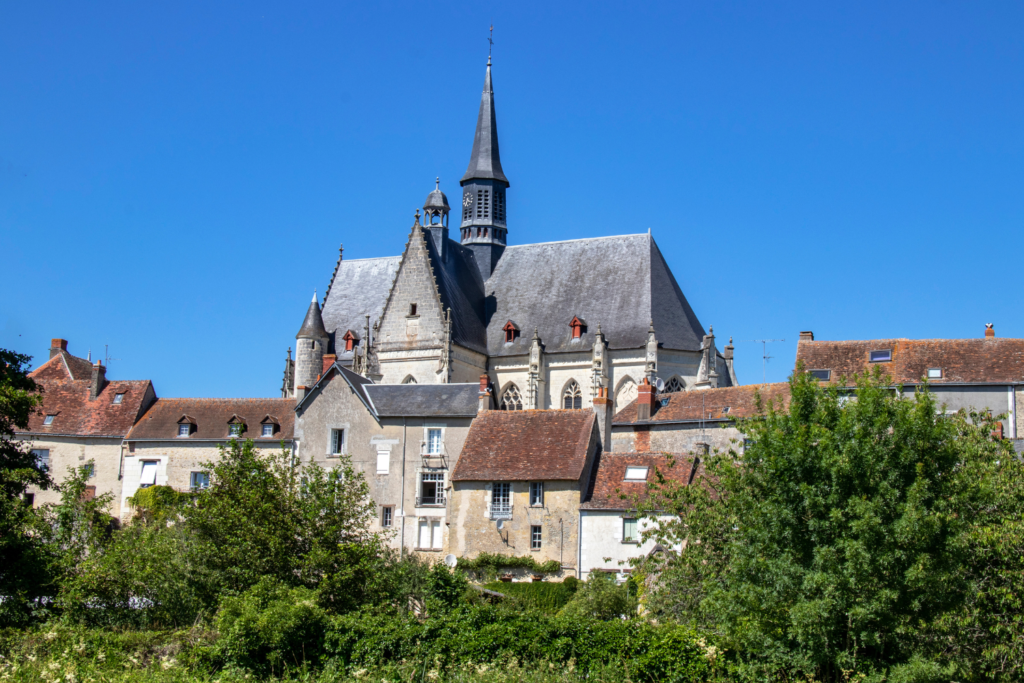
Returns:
(313, 325)
(484, 162)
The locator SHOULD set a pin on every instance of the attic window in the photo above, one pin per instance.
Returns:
(118, 398)
(412, 309)
(577, 326)
(350, 340)
(236, 428)
(510, 332)
(48, 420)
(726, 409)
(881, 356)
(268, 429)
(821, 375)
(636, 474)
(184, 429)
(934, 373)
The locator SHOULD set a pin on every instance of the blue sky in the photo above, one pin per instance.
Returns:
(175, 178)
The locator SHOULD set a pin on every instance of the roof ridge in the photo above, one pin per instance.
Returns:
(580, 239)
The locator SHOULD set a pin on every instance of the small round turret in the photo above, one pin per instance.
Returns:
(436, 208)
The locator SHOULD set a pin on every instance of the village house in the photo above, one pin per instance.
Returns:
(83, 420)
(175, 439)
(519, 483)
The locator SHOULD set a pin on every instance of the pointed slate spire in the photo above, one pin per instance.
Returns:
(313, 325)
(484, 162)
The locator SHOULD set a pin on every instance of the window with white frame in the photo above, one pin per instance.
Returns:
(235, 429)
(148, 476)
(629, 533)
(48, 420)
(636, 474)
(337, 441)
(501, 499)
(431, 489)
(430, 534)
(537, 494)
(42, 456)
(89, 470)
(934, 373)
(882, 356)
(387, 515)
(535, 537)
(268, 429)
(383, 461)
(198, 481)
(118, 398)
(434, 441)
(184, 429)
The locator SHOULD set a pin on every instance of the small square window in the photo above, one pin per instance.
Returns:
(89, 469)
(535, 537)
(268, 429)
(337, 441)
(42, 456)
(386, 517)
(821, 375)
(184, 429)
(412, 309)
(235, 429)
(934, 373)
(118, 398)
(199, 481)
(48, 420)
(537, 493)
(881, 356)
(629, 534)
(636, 474)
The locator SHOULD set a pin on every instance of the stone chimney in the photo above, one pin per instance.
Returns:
(807, 336)
(485, 394)
(603, 407)
(58, 345)
(728, 353)
(300, 392)
(990, 331)
(645, 400)
(329, 359)
(99, 379)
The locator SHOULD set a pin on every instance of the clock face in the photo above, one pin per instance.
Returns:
(467, 199)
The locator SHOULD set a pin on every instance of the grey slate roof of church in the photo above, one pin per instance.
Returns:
(359, 287)
(424, 400)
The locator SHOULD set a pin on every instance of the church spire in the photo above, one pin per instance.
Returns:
(485, 162)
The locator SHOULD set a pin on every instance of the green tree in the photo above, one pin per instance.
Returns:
(600, 597)
(837, 537)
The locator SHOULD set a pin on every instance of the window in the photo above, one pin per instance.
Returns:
(184, 429)
(198, 481)
(881, 356)
(350, 340)
(89, 470)
(821, 375)
(636, 474)
(629, 530)
(383, 461)
(511, 399)
(412, 309)
(268, 429)
(430, 534)
(934, 373)
(537, 493)
(148, 477)
(42, 456)
(535, 537)
(434, 441)
(30, 499)
(235, 429)
(409, 380)
(572, 397)
(510, 332)
(577, 327)
(337, 441)
(48, 420)
(431, 489)
(387, 514)
(501, 500)
(118, 398)
(673, 385)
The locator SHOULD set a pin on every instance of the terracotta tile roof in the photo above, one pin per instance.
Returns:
(527, 445)
(66, 383)
(984, 360)
(712, 404)
(608, 483)
(211, 416)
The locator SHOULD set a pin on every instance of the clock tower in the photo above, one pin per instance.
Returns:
(483, 227)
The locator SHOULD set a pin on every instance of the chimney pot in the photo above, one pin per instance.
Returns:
(485, 394)
(989, 330)
(807, 336)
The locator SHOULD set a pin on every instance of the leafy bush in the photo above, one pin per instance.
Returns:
(488, 564)
(600, 597)
(545, 596)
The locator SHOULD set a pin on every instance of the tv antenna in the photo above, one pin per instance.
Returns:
(764, 355)
(106, 355)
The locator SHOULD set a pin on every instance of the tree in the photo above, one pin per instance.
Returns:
(837, 538)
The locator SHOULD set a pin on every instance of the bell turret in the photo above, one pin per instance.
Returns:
(435, 220)
(310, 347)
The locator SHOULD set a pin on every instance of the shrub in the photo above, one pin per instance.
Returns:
(600, 597)
(545, 596)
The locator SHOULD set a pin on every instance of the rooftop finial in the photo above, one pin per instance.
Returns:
(417, 218)
(314, 295)
(437, 183)
(490, 41)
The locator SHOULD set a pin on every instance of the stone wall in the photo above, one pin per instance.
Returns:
(73, 452)
(414, 284)
(676, 438)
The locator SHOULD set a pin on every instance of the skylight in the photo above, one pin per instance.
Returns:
(881, 356)
(636, 474)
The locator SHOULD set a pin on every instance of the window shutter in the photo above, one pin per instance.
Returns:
(424, 534)
(383, 462)
(148, 477)
(436, 527)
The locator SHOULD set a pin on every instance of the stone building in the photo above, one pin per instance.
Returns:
(83, 418)
(406, 439)
(550, 324)
(176, 437)
(519, 484)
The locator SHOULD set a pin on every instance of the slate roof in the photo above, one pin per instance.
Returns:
(608, 482)
(313, 324)
(211, 417)
(424, 400)
(66, 383)
(689, 406)
(484, 161)
(975, 361)
(527, 445)
(359, 288)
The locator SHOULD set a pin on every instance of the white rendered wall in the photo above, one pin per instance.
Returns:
(601, 545)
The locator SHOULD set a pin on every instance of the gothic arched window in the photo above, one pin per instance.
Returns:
(625, 395)
(572, 397)
(409, 380)
(511, 399)
(673, 385)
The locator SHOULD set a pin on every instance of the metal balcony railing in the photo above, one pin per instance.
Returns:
(426, 501)
(501, 510)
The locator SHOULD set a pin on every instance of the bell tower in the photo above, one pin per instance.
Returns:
(483, 227)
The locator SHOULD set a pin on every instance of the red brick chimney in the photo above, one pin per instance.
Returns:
(58, 345)
(645, 400)
(485, 394)
(989, 331)
(329, 359)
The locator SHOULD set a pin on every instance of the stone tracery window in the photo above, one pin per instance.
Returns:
(673, 385)
(572, 397)
(512, 399)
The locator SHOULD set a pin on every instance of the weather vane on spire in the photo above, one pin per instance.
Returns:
(490, 39)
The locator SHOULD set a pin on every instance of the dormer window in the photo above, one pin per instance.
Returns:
(184, 429)
(882, 356)
(510, 331)
(268, 430)
(268, 425)
(578, 327)
(412, 309)
(350, 340)
(185, 426)
(118, 398)
(235, 429)
(48, 420)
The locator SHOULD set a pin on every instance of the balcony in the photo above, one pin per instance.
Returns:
(501, 511)
(430, 501)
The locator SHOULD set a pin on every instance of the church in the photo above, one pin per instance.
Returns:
(550, 325)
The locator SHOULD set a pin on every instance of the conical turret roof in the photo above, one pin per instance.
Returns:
(313, 325)
(485, 163)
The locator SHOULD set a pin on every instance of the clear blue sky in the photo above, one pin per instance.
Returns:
(175, 178)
